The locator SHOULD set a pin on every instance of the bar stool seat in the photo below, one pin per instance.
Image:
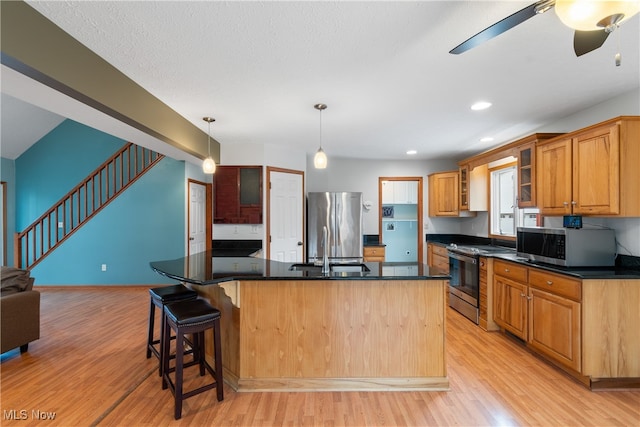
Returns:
(191, 317)
(159, 297)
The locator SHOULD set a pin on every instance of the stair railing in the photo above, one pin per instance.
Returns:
(82, 203)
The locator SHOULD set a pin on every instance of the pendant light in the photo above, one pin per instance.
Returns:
(320, 159)
(209, 166)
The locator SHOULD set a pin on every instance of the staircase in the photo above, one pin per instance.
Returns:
(82, 203)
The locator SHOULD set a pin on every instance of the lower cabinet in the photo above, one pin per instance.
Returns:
(437, 257)
(374, 253)
(510, 307)
(541, 308)
(554, 327)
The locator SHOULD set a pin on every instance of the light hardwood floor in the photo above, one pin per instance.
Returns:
(89, 368)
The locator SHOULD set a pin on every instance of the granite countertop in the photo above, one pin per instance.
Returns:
(203, 269)
(627, 267)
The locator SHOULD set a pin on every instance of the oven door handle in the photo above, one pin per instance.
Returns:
(463, 258)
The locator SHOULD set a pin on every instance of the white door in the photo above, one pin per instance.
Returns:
(197, 217)
(286, 219)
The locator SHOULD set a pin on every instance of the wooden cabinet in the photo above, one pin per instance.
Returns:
(374, 253)
(437, 257)
(238, 195)
(592, 171)
(510, 309)
(554, 177)
(527, 176)
(463, 189)
(443, 194)
(554, 327)
(541, 308)
(473, 188)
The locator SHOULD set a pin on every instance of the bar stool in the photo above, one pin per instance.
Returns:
(191, 317)
(159, 297)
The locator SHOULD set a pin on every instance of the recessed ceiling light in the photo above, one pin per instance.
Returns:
(481, 105)
(486, 139)
(412, 152)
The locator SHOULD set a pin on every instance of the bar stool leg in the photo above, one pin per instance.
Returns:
(179, 373)
(152, 316)
(217, 351)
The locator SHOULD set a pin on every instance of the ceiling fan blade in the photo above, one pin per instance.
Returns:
(498, 28)
(586, 41)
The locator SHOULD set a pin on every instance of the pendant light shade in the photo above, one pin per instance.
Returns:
(320, 159)
(590, 15)
(209, 166)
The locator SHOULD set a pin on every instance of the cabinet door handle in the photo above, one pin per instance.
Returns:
(573, 202)
(523, 295)
(565, 203)
(549, 282)
(529, 298)
(506, 270)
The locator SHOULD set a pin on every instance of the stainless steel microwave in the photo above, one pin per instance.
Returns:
(568, 247)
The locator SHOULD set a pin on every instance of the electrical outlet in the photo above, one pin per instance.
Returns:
(60, 224)
(104, 267)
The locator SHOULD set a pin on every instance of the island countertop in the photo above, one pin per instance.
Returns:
(205, 269)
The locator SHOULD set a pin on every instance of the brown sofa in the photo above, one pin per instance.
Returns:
(19, 310)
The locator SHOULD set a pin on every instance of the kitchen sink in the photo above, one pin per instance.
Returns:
(306, 267)
(335, 268)
(348, 268)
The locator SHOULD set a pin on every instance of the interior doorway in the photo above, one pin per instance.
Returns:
(400, 218)
(200, 217)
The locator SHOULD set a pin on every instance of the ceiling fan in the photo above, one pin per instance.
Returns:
(592, 20)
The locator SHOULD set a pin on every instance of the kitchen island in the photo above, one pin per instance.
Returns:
(301, 330)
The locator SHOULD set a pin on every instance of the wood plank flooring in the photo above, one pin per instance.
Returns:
(89, 368)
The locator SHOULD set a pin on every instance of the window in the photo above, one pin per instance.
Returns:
(505, 216)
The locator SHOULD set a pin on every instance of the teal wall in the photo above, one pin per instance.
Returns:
(145, 223)
(49, 169)
(8, 175)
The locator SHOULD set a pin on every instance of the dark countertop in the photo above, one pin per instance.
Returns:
(616, 272)
(204, 269)
(626, 266)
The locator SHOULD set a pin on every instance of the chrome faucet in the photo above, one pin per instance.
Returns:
(325, 250)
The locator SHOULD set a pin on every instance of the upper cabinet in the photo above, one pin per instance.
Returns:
(593, 171)
(463, 189)
(527, 175)
(443, 194)
(238, 195)
(400, 192)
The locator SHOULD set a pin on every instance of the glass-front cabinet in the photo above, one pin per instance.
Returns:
(464, 188)
(526, 176)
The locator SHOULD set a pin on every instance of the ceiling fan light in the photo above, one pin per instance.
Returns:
(320, 159)
(208, 166)
(584, 15)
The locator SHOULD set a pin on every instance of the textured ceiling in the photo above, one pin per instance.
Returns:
(383, 69)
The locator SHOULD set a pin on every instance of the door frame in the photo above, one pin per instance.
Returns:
(271, 169)
(208, 214)
(420, 182)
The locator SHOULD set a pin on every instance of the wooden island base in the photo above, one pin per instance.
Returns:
(330, 335)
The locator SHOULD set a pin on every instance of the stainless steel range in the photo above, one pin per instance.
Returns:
(464, 286)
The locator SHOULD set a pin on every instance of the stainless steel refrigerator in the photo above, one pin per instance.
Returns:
(341, 213)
